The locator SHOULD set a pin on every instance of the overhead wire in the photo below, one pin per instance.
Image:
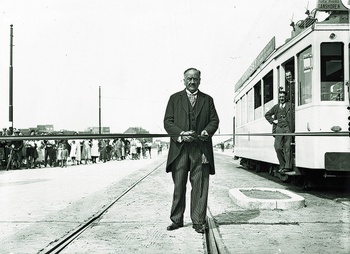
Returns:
(252, 28)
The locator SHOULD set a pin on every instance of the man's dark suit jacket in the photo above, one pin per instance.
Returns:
(272, 115)
(176, 120)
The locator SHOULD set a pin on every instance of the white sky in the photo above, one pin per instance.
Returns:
(136, 50)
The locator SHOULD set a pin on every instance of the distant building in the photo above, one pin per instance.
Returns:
(96, 130)
(44, 128)
(49, 128)
(25, 131)
(139, 130)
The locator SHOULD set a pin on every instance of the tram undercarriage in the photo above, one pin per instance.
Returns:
(300, 177)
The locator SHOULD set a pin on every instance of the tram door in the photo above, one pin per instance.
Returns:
(290, 85)
(289, 68)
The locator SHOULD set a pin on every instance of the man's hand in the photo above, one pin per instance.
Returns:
(275, 121)
(187, 136)
(204, 135)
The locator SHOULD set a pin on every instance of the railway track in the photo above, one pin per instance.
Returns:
(60, 245)
(212, 240)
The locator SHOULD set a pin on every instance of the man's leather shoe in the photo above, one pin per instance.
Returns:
(284, 170)
(199, 228)
(174, 226)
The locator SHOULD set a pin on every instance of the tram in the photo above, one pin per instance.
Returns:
(317, 55)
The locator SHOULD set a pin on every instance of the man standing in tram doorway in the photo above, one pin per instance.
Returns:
(281, 116)
(290, 85)
(191, 120)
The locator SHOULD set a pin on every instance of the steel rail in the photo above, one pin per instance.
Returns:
(214, 242)
(66, 240)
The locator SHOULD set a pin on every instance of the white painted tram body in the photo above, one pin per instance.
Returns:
(318, 55)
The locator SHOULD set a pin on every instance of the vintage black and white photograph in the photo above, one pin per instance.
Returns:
(188, 126)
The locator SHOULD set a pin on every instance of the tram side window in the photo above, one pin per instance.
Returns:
(238, 113)
(244, 115)
(257, 101)
(305, 77)
(250, 102)
(268, 87)
(332, 72)
(257, 95)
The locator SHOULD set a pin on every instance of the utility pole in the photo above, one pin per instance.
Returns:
(11, 80)
(99, 112)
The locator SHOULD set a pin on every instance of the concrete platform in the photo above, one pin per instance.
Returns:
(270, 198)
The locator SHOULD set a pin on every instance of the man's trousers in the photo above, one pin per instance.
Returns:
(283, 148)
(190, 160)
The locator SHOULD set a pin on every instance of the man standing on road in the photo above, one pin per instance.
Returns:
(191, 119)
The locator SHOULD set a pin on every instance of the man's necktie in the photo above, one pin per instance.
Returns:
(192, 98)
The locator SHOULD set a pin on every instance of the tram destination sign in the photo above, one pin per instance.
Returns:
(333, 5)
(269, 48)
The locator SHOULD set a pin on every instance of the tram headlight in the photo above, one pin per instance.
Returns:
(332, 36)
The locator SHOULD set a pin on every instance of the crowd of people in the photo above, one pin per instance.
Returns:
(60, 153)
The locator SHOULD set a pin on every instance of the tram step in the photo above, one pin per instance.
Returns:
(292, 173)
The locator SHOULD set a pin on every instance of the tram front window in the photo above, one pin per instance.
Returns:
(332, 72)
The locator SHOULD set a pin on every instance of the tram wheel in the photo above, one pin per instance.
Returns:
(257, 168)
(301, 182)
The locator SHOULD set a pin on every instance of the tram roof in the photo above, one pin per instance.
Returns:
(300, 30)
